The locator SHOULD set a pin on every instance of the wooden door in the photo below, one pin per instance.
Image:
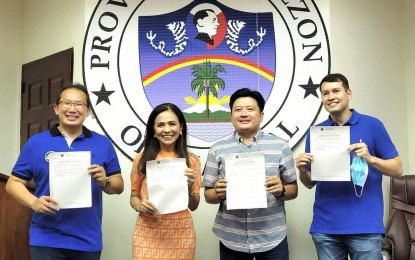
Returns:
(41, 81)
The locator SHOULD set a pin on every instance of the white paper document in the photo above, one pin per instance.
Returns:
(167, 185)
(69, 181)
(245, 173)
(331, 160)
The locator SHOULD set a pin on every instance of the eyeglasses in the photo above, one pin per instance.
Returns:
(67, 104)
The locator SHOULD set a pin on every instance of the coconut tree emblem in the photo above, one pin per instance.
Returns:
(206, 81)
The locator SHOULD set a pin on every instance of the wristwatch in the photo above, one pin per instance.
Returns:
(282, 193)
(107, 181)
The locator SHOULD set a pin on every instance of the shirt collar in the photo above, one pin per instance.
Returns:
(254, 138)
(54, 131)
(354, 119)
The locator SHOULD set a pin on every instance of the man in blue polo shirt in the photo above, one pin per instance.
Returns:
(348, 217)
(73, 233)
(259, 233)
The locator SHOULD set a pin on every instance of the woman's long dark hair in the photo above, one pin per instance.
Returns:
(152, 144)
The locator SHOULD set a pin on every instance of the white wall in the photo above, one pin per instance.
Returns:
(10, 26)
(408, 17)
(367, 46)
(372, 42)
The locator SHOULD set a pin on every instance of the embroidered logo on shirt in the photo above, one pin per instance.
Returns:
(47, 155)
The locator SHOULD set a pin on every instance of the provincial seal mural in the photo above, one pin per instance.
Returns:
(138, 54)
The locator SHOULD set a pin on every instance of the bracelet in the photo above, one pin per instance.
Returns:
(282, 193)
(192, 193)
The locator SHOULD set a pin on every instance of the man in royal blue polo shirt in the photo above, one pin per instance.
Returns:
(73, 233)
(348, 215)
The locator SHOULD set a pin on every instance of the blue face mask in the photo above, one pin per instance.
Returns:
(359, 171)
